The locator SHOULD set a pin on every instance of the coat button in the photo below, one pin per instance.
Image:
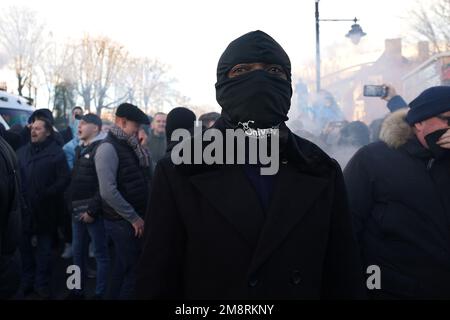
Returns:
(253, 283)
(296, 279)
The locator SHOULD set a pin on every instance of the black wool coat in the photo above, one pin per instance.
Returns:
(207, 236)
(45, 176)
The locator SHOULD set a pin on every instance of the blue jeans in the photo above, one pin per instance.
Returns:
(127, 249)
(36, 269)
(80, 247)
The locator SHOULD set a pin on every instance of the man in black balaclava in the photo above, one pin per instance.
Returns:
(226, 231)
(254, 81)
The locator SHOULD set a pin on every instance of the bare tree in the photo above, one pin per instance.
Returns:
(112, 58)
(22, 38)
(433, 23)
(83, 65)
(146, 82)
(156, 86)
(55, 67)
(97, 62)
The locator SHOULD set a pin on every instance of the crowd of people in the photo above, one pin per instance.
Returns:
(158, 230)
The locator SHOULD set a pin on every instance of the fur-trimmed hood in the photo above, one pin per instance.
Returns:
(395, 131)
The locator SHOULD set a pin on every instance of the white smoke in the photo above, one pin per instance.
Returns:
(3, 59)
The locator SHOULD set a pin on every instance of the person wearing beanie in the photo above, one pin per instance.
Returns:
(122, 165)
(85, 204)
(25, 133)
(398, 191)
(178, 118)
(44, 177)
(228, 231)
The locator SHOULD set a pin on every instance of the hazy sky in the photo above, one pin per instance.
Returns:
(190, 35)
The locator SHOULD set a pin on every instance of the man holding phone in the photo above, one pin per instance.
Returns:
(388, 93)
(123, 170)
(398, 192)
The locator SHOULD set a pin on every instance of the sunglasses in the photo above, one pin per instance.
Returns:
(445, 118)
(78, 116)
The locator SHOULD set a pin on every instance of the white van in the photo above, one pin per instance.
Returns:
(14, 110)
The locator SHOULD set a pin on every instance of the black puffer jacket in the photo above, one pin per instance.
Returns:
(84, 182)
(133, 182)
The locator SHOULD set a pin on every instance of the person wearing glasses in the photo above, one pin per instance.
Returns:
(399, 198)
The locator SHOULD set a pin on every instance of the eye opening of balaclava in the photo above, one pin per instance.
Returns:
(257, 97)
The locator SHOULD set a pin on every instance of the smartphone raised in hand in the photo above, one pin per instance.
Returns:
(375, 91)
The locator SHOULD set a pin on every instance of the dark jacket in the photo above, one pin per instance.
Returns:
(45, 176)
(157, 146)
(11, 137)
(66, 134)
(208, 237)
(10, 222)
(133, 182)
(84, 181)
(401, 212)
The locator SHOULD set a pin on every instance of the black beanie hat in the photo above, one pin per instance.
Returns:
(179, 118)
(42, 113)
(428, 104)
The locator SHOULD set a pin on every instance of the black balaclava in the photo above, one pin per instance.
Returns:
(256, 96)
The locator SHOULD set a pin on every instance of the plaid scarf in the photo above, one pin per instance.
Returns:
(140, 151)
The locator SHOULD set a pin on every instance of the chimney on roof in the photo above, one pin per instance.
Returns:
(393, 47)
(423, 50)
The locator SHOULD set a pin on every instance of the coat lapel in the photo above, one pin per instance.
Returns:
(229, 191)
(294, 195)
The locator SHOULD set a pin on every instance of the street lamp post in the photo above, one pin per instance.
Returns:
(355, 34)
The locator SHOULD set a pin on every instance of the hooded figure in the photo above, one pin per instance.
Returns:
(224, 231)
(178, 118)
(259, 96)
